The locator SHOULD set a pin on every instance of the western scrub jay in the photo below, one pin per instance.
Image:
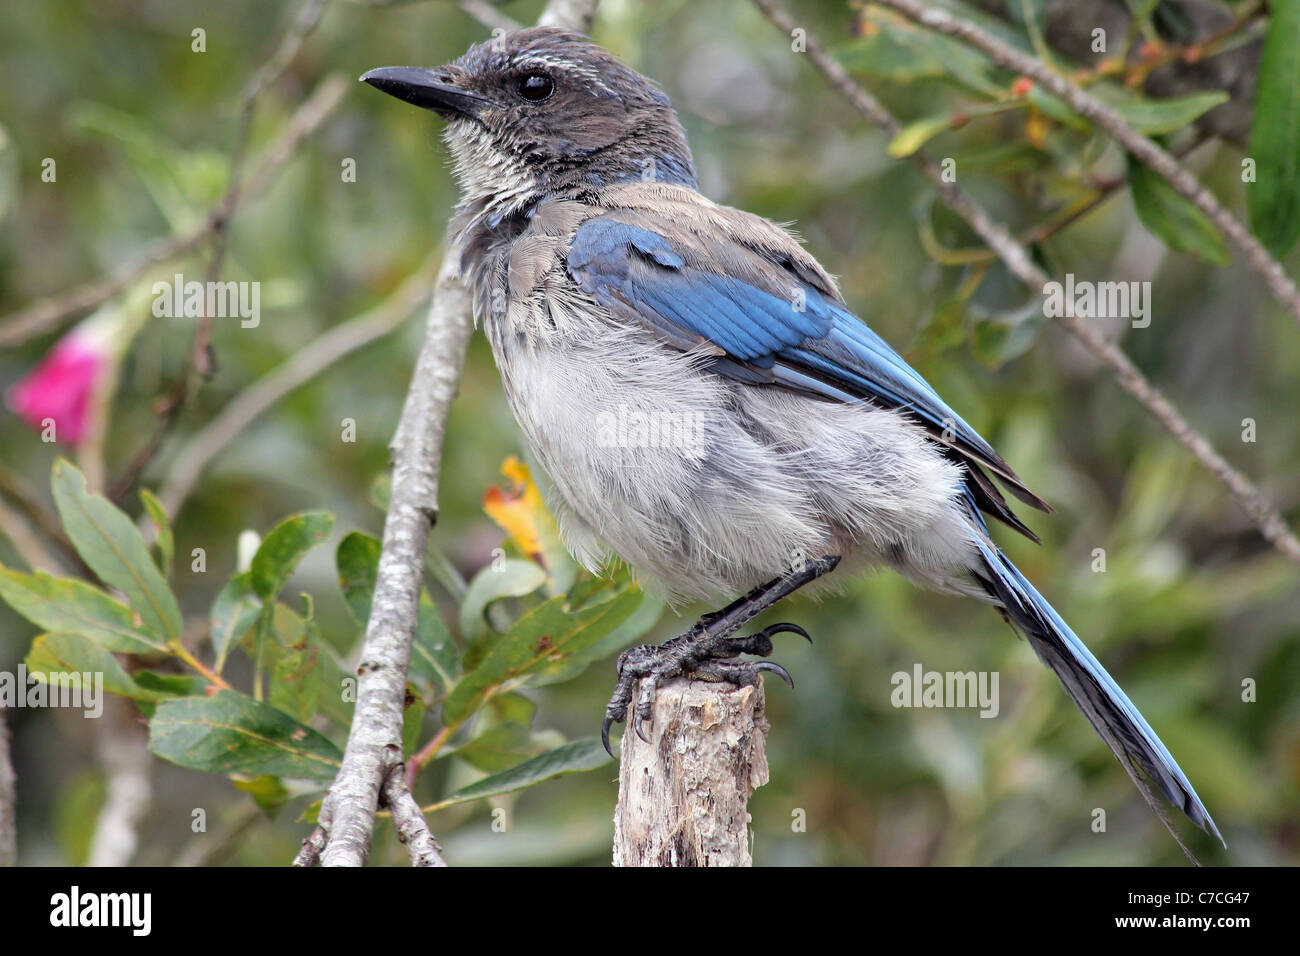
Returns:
(706, 406)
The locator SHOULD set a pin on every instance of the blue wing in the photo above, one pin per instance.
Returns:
(777, 321)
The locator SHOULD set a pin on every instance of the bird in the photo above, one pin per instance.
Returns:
(705, 405)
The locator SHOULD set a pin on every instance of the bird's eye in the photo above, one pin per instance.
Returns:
(536, 87)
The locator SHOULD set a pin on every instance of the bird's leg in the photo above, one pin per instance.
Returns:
(708, 650)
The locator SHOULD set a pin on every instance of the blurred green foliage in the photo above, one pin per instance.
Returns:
(1191, 602)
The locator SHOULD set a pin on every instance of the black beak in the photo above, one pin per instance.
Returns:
(425, 88)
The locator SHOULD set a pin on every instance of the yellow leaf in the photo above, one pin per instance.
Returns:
(519, 511)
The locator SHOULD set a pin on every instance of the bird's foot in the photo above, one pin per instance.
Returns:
(705, 652)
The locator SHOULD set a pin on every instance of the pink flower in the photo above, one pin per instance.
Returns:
(60, 387)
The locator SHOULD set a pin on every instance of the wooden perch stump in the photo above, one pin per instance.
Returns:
(682, 798)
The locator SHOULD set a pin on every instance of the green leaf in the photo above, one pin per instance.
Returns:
(167, 685)
(413, 712)
(53, 658)
(434, 653)
(232, 733)
(511, 578)
(296, 681)
(499, 747)
(547, 635)
(996, 341)
(311, 814)
(1057, 109)
(166, 542)
(284, 546)
(234, 611)
(69, 605)
(513, 708)
(573, 757)
(916, 134)
(641, 620)
(268, 792)
(894, 49)
(357, 560)
(1156, 117)
(1273, 200)
(172, 685)
(109, 543)
(1173, 218)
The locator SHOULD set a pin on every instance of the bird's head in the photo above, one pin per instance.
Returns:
(544, 111)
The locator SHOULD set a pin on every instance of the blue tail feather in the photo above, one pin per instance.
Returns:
(1107, 708)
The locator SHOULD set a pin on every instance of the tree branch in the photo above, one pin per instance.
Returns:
(412, 830)
(1085, 104)
(1256, 505)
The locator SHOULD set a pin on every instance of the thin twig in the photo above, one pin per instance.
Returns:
(347, 816)
(430, 750)
(309, 855)
(301, 367)
(1261, 511)
(412, 830)
(1085, 104)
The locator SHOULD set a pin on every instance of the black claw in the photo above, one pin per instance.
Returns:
(604, 734)
(786, 628)
(776, 669)
(636, 723)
